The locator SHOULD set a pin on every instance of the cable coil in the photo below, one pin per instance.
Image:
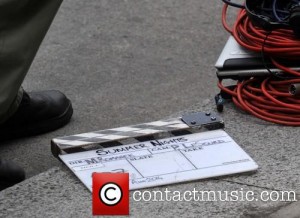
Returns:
(268, 98)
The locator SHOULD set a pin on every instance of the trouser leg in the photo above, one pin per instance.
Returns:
(23, 25)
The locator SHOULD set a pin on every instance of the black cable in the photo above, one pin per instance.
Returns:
(228, 2)
(263, 55)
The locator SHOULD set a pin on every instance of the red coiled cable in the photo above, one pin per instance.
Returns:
(267, 98)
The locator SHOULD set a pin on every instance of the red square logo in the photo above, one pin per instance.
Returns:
(110, 194)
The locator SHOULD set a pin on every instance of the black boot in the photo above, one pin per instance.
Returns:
(10, 174)
(39, 112)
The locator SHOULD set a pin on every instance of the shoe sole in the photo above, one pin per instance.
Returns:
(40, 128)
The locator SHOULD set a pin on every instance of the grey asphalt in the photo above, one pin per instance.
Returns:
(123, 62)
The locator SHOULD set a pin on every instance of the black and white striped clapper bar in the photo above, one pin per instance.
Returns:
(187, 124)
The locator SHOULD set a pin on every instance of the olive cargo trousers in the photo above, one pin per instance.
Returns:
(23, 25)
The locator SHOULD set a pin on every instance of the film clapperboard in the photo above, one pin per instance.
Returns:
(187, 148)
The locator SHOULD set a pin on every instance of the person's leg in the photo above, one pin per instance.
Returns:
(23, 25)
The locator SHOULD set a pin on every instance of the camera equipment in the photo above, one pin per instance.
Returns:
(269, 28)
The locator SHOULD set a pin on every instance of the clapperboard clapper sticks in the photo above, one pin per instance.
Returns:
(190, 147)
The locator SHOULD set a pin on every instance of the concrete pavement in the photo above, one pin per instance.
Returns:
(123, 62)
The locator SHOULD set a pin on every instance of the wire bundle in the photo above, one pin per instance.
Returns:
(267, 98)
